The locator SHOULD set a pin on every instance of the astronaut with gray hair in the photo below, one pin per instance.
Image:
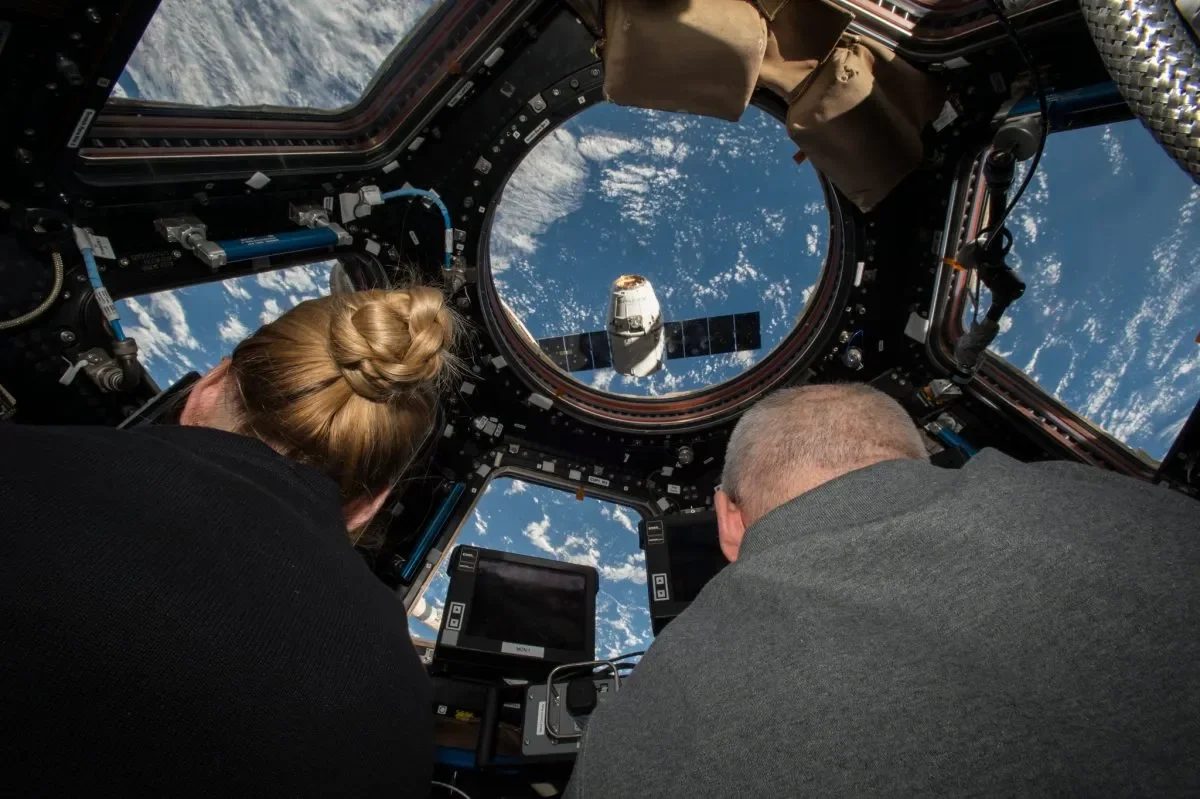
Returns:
(890, 627)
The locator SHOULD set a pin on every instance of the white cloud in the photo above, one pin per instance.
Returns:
(516, 487)
(1112, 146)
(236, 289)
(232, 330)
(622, 517)
(629, 570)
(312, 280)
(641, 189)
(1051, 270)
(156, 344)
(536, 533)
(1031, 227)
(606, 146)
(544, 188)
(228, 52)
(481, 525)
(813, 239)
(602, 378)
(271, 311)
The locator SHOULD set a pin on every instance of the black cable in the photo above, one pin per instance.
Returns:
(1042, 105)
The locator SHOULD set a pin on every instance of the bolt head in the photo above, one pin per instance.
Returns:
(66, 337)
(124, 262)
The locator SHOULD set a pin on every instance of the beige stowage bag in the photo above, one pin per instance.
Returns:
(854, 109)
(696, 56)
(859, 119)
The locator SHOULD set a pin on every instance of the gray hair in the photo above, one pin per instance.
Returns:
(794, 434)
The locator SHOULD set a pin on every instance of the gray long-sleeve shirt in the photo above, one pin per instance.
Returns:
(1002, 629)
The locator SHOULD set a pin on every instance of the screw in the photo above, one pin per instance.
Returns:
(93, 16)
(844, 336)
(176, 254)
(595, 72)
(522, 118)
(66, 295)
(475, 183)
(80, 279)
(860, 309)
(123, 262)
(574, 84)
(66, 337)
(555, 92)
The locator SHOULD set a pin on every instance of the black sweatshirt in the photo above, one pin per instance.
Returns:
(181, 613)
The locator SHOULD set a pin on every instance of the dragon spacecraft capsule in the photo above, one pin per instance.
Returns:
(635, 327)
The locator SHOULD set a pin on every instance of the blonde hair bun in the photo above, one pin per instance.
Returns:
(387, 343)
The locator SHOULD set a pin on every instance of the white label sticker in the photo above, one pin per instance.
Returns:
(533, 134)
(106, 304)
(257, 180)
(661, 592)
(412, 234)
(574, 474)
(600, 481)
(81, 128)
(947, 116)
(673, 489)
(372, 247)
(524, 650)
(541, 722)
(102, 248)
(390, 166)
(461, 93)
(327, 203)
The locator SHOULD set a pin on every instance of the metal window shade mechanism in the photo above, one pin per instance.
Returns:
(1152, 51)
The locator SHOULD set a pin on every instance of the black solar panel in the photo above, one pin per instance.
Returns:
(720, 334)
(691, 338)
(579, 352)
(695, 338)
(601, 349)
(673, 340)
(746, 330)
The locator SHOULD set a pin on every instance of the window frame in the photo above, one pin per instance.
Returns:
(997, 382)
(643, 508)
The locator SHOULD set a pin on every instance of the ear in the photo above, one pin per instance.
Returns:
(731, 525)
(205, 401)
(360, 511)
